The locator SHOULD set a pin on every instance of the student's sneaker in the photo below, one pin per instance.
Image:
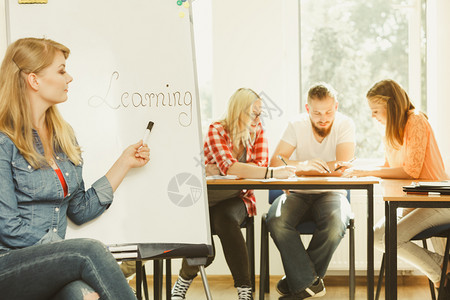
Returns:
(313, 291)
(245, 293)
(180, 288)
(282, 286)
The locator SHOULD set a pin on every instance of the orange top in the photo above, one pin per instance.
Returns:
(419, 155)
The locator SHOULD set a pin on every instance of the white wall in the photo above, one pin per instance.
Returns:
(438, 73)
(255, 45)
(2, 29)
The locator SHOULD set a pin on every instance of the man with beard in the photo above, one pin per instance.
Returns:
(318, 139)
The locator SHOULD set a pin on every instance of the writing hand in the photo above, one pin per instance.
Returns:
(315, 164)
(283, 172)
(212, 169)
(137, 155)
(134, 156)
(343, 165)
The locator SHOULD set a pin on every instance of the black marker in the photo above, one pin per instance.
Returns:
(147, 132)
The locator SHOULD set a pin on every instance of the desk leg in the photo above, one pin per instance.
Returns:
(391, 250)
(168, 279)
(370, 255)
(157, 278)
(387, 268)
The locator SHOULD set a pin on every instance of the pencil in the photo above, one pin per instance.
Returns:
(326, 169)
(279, 156)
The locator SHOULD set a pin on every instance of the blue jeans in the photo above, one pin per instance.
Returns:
(66, 270)
(330, 211)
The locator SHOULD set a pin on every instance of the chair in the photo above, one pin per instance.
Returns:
(303, 228)
(438, 231)
(248, 224)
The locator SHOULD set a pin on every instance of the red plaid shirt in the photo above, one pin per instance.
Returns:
(218, 149)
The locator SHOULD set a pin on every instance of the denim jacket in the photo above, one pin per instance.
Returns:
(33, 209)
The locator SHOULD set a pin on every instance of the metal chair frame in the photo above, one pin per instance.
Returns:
(437, 231)
(302, 228)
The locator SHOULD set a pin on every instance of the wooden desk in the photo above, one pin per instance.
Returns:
(316, 183)
(394, 198)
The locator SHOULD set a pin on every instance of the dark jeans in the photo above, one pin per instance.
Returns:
(65, 270)
(225, 219)
(331, 213)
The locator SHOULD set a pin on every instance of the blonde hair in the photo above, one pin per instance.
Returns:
(239, 106)
(392, 96)
(25, 56)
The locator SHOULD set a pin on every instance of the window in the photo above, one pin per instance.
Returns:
(352, 44)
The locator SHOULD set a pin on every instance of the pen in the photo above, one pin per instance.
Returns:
(326, 169)
(279, 156)
(147, 132)
(350, 161)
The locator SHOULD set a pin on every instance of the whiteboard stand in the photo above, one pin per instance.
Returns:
(205, 282)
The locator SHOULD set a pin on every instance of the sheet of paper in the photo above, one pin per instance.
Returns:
(122, 255)
(222, 177)
(122, 248)
(435, 183)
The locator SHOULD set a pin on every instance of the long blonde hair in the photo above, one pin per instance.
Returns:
(239, 108)
(397, 103)
(24, 56)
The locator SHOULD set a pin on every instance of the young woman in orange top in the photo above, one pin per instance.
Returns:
(411, 153)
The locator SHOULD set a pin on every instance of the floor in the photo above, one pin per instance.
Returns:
(410, 287)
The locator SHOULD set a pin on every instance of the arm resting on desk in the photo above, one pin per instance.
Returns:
(245, 170)
(382, 172)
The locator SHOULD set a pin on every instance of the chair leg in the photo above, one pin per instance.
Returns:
(380, 277)
(250, 240)
(430, 283)
(267, 267)
(444, 269)
(144, 281)
(264, 260)
(352, 280)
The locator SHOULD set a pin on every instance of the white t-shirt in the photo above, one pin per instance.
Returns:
(299, 134)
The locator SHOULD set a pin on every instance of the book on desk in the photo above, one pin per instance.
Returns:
(433, 187)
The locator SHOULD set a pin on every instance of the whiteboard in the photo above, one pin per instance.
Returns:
(132, 62)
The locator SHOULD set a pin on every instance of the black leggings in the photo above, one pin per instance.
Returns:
(226, 218)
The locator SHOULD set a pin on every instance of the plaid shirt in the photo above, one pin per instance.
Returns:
(218, 149)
